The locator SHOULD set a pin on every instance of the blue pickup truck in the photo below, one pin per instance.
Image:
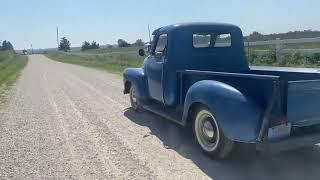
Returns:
(197, 75)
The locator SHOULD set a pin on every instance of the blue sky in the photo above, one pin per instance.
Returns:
(105, 21)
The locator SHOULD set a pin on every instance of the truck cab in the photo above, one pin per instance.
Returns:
(172, 50)
(197, 74)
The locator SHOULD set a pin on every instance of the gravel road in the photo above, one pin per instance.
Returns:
(64, 121)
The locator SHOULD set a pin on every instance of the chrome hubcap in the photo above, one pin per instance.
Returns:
(208, 129)
(207, 132)
(133, 96)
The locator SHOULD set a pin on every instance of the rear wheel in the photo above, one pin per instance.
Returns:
(210, 136)
(134, 100)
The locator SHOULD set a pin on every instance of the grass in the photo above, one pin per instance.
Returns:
(10, 66)
(114, 60)
(112, 50)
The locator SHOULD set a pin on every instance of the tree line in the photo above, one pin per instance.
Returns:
(65, 45)
(256, 36)
(6, 46)
(123, 43)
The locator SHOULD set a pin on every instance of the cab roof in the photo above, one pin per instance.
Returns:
(195, 26)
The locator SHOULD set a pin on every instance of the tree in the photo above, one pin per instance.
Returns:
(95, 45)
(139, 42)
(123, 43)
(6, 46)
(85, 46)
(64, 44)
(256, 36)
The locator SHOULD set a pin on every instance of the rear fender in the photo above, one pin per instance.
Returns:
(135, 77)
(239, 117)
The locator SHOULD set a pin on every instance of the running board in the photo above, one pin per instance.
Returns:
(165, 112)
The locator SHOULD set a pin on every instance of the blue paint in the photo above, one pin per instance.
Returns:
(303, 102)
(247, 101)
(222, 99)
(136, 78)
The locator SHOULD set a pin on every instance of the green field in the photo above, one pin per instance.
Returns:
(110, 59)
(117, 59)
(10, 66)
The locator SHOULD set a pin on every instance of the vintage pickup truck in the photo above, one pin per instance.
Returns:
(197, 74)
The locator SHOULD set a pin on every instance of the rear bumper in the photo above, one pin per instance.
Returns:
(291, 143)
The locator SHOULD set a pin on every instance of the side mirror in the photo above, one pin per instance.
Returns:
(141, 52)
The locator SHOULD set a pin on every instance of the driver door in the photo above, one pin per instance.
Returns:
(154, 68)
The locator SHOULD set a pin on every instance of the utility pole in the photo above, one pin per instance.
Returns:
(31, 49)
(57, 37)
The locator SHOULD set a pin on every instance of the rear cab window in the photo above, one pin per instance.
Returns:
(211, 40)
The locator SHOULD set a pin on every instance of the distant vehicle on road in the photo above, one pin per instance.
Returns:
(24, 52)
(197, 74)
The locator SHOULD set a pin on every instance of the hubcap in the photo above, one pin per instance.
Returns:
(133, 98)
(208, 129)
(207, 132)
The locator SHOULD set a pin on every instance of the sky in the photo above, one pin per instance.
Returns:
(105, 21)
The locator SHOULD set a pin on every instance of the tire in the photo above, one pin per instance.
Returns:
(135, 103)
(209, 135)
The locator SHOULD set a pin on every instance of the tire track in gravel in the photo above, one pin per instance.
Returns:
(107, 147)
(76, 157)
(125, 130)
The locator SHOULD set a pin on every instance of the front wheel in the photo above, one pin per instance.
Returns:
(210, 136)
(134, 100)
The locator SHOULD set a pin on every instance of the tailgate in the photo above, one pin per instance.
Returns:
(303, 102)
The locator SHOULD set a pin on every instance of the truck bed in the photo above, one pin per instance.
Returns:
(296, 91)
(301, 92)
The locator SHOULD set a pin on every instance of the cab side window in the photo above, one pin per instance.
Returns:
(160, 49)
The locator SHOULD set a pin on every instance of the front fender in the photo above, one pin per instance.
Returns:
(239, 117)
(136, 78)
